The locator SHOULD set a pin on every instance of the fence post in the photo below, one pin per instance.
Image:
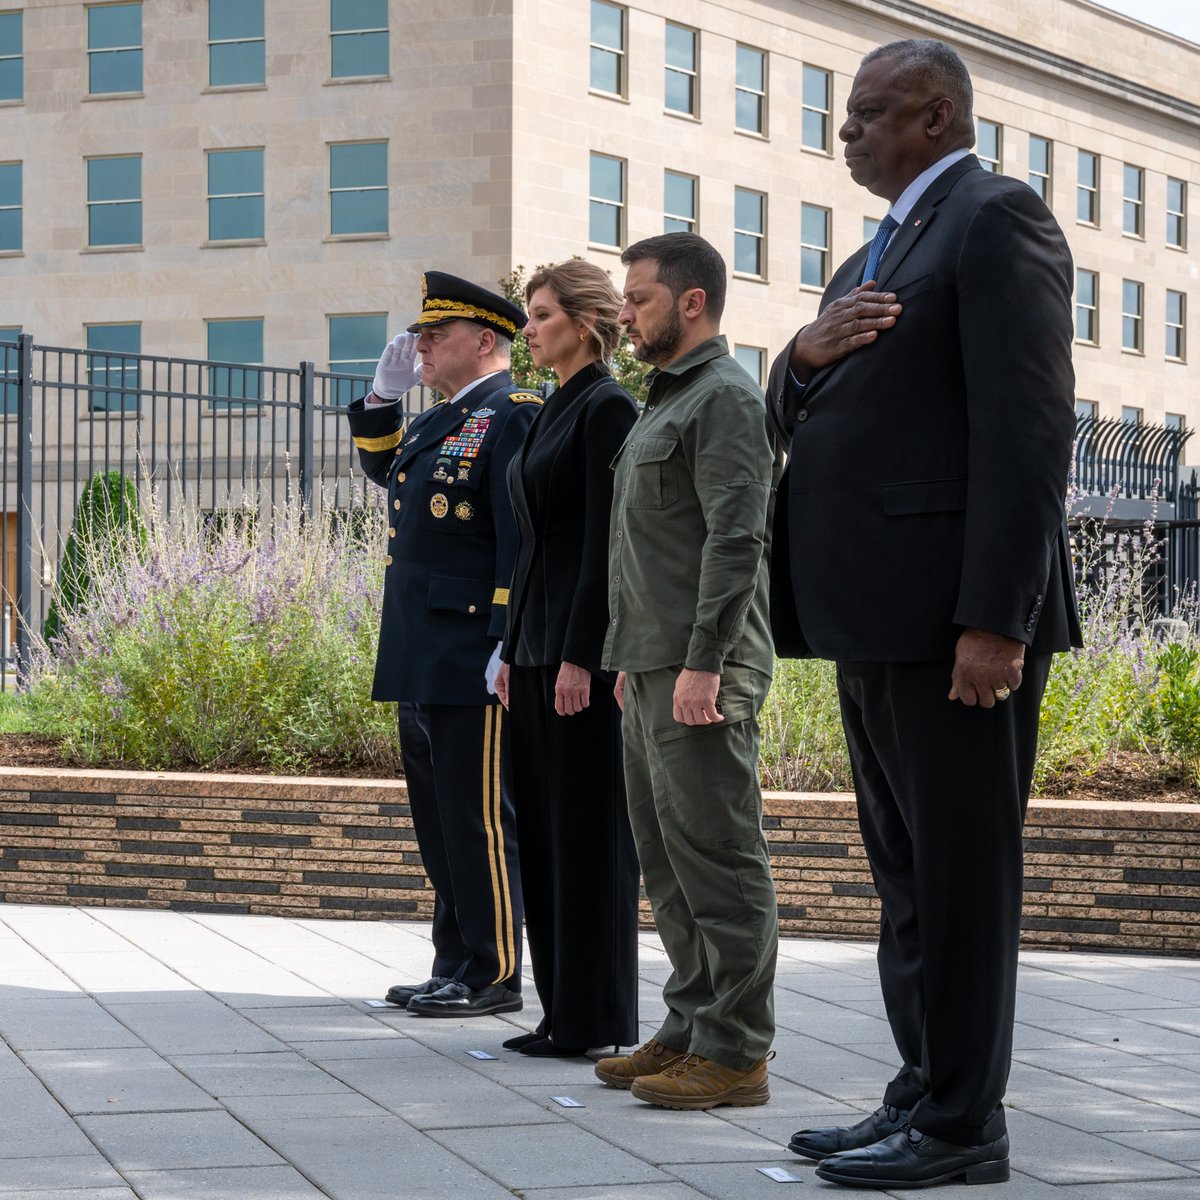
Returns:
(308, 432)
(24, 506)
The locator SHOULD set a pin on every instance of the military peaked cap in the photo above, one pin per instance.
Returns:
(448, 298)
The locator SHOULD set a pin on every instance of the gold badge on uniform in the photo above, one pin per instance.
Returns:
(439, 506)
(464, 510)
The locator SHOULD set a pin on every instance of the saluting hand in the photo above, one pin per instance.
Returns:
(399, 368)
(853, 320)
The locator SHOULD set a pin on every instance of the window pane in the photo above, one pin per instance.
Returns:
(11, 33)
(114, 25)
(12, 83)
(606, 71)
(11, 231)
(750, 359)
(816, 88)
(1039, 155)
(750, 68)
(746, 254)
(812, 267)
(1175, 195)
(114, 178)
(608, 26)
(237, 62)
(681, 48)
(359, 212)
(360, 54)
(10, 184)
(360, 165)
(358, 14)
(115, 224)
(1131, 297)
(749, 112)
(234, 171)
(1174, 308)
(106, 372)
(747, 211)
(235, 342)
(115, 71)
(361, 338)
(1087, 169)
(12, 86)
(606, 178)
(8, 370)
(680, 195)
(235, 19)
(813, 130)
(1085, 287)
(604, 224)
(233, 217)
(814, 225)
(1133, 182)
(678, 95)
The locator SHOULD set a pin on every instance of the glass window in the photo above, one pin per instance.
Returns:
(355, 344)
(9, 368)
(11, 235)
(1176, 346)
(679, 202)
(753, 359)
(237, 47)
(606, 200)
(814, 245)
(608, 48)
(1132, 205)
(988, 145)
(1176, 213)
(1085, 409)
(870, 228)
(358, 188)
(682, 71)
(114, 48)
(1087, 191)
(235, 342)
(1087, 307)
(750, 94)
(1130, 415)
(750, 232)
(1041, 162)
(358, 33)
(1175, 421)
(235, 195)
(114, 201)
(817, 127)
(12, 56)
(1131, 315)
(109, 372)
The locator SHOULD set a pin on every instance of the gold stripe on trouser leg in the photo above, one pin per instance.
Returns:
(497, 864)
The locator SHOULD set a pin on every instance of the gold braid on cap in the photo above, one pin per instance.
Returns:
(457, 308)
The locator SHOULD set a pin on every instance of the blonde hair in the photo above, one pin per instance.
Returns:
(586, 294)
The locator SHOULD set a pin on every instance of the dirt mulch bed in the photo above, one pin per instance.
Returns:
(1127, 777)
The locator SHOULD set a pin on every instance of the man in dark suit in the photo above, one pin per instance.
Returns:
(451, 544)
(920, 543)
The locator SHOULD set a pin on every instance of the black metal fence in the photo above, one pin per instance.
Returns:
(207, 434)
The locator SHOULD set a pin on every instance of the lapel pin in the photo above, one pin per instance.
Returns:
(916, 222)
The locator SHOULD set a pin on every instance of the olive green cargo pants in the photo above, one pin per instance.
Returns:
(696, 810)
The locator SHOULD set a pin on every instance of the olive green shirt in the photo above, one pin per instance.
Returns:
(689, 536)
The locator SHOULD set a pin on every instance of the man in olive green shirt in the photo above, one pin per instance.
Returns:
(688, 632)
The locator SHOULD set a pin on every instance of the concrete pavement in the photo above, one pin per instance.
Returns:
(171, 1056)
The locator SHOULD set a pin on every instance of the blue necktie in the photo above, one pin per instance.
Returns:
(878, 244)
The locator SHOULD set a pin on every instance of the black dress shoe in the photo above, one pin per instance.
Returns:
(458, 1000)
(912, 1159)
(821, 1143)
(545, 1047)
(523, 1039)
(402, 993)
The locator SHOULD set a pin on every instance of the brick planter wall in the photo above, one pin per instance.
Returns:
(1102, 876)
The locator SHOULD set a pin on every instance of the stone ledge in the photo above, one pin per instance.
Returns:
(1099, 875)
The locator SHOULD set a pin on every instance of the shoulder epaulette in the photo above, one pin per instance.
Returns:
(526, 398)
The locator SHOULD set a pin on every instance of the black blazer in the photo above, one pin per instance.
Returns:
(927, 474)
(451, 540)
(561, 487)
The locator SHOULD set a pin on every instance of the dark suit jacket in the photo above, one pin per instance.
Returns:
(451, 541)
(561, 486)
(926, 480)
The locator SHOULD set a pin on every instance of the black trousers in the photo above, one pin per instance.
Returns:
(579, 867)
(455, 764)
(942, 792)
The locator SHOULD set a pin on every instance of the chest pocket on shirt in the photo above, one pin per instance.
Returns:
(653, 473)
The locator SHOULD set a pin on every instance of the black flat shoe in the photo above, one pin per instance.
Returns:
(544, 1047)
(402, 993)
(523, 1039)
(458, 1000)
(912, 1159)
(833, 1139)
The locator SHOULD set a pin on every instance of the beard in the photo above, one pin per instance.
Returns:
(660, 346)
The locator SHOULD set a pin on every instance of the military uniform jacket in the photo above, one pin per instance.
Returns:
(451, 538)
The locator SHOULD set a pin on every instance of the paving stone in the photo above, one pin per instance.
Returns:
(55, 1174)
(624, 1191)
(276, 1073)
(162, 1141)
(269, 1107)
(104, 1193)
(108, 1081)
(225, 1183)
(394, 1047)
(325, 1023)
(126, 974)
(200, 1025)
(1108, 1112)
(35, 1125)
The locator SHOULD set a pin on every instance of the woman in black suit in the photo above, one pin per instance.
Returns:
(579, 869)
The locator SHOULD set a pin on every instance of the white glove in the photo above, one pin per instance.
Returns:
(492, 669)
(399, 368)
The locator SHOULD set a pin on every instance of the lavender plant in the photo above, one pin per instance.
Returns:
(226, 643)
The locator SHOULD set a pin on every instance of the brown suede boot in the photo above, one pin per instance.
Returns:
(695, 1082)
(645, 1060)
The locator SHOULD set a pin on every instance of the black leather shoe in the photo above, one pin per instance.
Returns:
(545, 1047)
(458, 1000)
(523, 1039)
(402, 993)
(821, 1143)
(912, 1159)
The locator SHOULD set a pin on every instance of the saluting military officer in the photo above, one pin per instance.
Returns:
(451, 544)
